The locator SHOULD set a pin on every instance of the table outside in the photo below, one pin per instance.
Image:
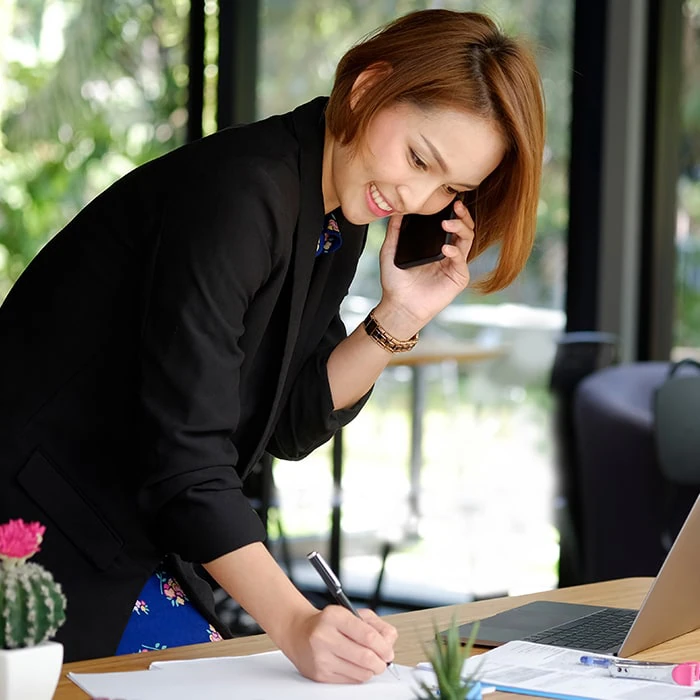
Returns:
(416, 630)
(428, 351)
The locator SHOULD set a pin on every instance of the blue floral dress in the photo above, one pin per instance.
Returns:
(163, 617)
(330, 239)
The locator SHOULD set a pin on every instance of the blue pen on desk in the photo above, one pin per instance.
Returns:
(336, 590)
(595, 661)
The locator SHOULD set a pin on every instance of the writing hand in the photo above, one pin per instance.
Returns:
(334, 646)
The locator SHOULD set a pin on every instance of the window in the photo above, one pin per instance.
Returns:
(87, 91)
(687, 318)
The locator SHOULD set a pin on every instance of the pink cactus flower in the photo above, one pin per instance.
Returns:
(20, 540)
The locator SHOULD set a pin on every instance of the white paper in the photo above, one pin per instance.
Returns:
(556, 672)
(269, 676)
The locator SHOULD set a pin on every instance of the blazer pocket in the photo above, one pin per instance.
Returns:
(71, 513)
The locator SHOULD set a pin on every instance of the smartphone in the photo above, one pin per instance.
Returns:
(421, 237)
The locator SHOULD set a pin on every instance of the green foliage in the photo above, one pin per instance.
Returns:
(31, 603)
(88, 90)
(687, 299)
(447, 656)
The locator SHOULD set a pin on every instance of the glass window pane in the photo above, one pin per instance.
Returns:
(687, 321)
(87, 91)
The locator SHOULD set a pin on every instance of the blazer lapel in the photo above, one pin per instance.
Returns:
(309, 127)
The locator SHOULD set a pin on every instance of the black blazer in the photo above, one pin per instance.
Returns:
(168, 335)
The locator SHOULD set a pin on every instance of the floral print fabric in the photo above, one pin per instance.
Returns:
(330, 239)
(163, 617)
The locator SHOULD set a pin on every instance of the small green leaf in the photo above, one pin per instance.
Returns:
(447, 656)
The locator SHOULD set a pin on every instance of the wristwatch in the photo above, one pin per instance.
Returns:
(383, 339)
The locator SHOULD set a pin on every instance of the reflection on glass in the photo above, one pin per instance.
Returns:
(87, 91)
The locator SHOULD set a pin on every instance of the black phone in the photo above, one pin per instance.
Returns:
(421, 237)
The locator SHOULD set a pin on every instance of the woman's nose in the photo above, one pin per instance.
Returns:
(421, 200)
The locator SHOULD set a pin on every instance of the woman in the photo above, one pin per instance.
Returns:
(187, 320)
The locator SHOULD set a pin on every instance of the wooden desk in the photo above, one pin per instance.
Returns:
(428, 351)
(415, 631)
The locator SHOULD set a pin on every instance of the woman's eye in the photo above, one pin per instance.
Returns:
(451, 190)
(417, 160)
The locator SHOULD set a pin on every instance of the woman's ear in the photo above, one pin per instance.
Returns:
(368, 78)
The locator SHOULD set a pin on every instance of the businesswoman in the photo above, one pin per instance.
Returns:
(187, 320)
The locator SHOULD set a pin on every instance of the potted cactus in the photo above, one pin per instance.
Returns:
(32, 608)
(447, 656)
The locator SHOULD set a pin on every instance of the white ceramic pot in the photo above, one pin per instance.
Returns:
(30, 673)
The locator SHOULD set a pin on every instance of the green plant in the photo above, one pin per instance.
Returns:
(32, 604)
(447, 655)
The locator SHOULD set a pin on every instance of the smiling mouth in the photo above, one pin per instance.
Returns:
(379, 200)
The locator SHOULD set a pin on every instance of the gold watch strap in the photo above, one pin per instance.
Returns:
(383, 339)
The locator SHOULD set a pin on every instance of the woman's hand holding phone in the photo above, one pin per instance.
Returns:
(420, 292)
(421, 237)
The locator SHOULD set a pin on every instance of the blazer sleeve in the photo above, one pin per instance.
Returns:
(211, 260)
(307, 419)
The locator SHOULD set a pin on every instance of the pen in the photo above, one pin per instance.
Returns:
(686, 673)
(595, 661)
(336, 590)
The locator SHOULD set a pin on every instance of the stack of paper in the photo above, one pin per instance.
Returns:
(256, 677)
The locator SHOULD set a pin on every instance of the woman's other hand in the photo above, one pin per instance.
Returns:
(334, 646)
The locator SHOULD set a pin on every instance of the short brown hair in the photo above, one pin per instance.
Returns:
(460, 60)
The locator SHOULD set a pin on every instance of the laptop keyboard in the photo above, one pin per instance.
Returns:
(602, 631)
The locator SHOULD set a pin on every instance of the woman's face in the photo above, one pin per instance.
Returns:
(411, 161)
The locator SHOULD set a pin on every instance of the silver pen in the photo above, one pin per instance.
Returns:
(336, 590)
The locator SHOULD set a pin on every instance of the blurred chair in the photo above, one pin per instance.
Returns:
(629, 511)
(676, 410)
(577, 355)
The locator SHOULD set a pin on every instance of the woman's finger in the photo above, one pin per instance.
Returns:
(364, 644)
(392, 229)
(367, 633)
(349, 673)
(332, 667)
(391, 237)
(462, 212)
(462, 240)
(389, 632)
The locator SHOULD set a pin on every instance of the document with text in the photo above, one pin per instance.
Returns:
(555, 672)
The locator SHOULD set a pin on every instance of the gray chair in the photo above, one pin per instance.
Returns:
(629, 511)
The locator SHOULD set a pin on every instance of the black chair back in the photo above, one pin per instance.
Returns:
(578, 354)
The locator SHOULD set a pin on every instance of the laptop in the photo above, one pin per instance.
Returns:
(671, 608)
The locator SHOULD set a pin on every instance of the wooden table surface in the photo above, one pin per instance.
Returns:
(415, 631)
